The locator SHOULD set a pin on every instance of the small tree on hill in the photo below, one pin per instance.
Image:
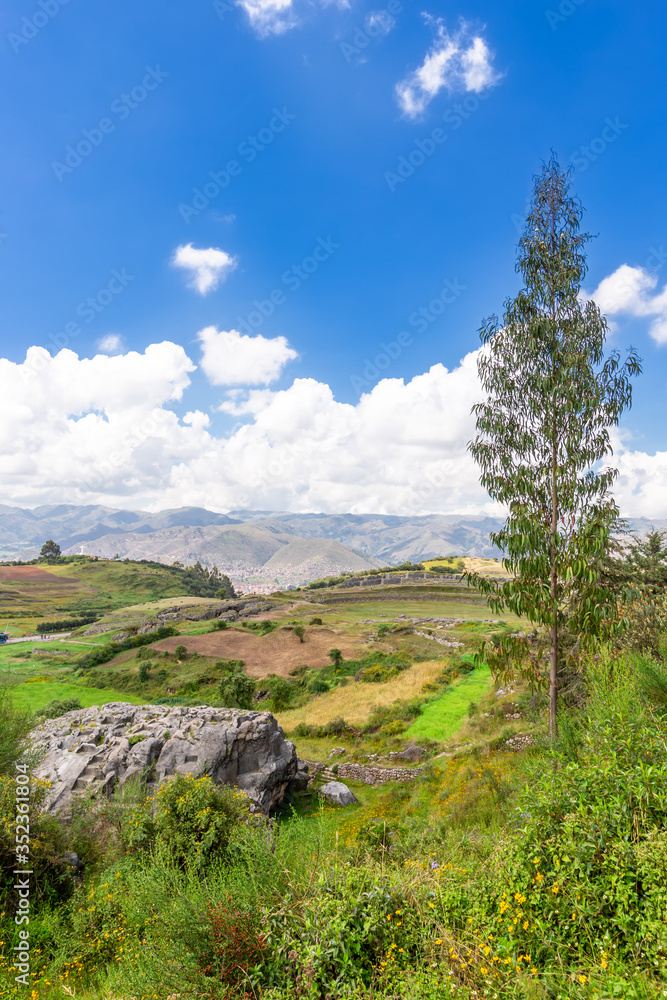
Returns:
(542, 430)
(336, 657)
(50, 551)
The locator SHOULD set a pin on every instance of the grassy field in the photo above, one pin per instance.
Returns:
(30, 594)
(35, 694)
(390, 610)
(442, 716)
(355, 701)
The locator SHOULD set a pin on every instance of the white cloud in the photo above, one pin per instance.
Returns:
(269, 17)
(104, 430)
(111, 344)
(628, 290)
(455, 62)
(207, 267)
(232, 358)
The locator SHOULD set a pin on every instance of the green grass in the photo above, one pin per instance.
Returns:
(36, 694)
(390, 610)
(443, 716)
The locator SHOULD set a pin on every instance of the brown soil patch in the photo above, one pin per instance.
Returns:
(31, 574)
(276, 653)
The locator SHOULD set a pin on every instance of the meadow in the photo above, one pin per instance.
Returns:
(511, 866)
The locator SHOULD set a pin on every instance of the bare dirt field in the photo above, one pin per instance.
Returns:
(276, 653)
(31, 574)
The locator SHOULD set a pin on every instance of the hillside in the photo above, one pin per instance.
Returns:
(30, 594)
(257, 557)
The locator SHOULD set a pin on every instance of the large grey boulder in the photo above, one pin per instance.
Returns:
(99, 749)
(337, 794)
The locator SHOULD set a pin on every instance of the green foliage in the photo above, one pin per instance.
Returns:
(316, 621)
(102, 654)
(318, 686)
(66, 624)
(299, 631)
(236, 689)
(281, 691)
(336, 657)
(59, 707)
(644, 617)
(50, 551)
(14, 728)
(551, 399)
(181, 652)
(144, 672)
(189, 820)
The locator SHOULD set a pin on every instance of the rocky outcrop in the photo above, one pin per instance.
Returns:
(337, 794)
(98, 749)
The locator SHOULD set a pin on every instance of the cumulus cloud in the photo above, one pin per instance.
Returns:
(629, 291)
(207, 266)
(232, 358)
(459, 62)
(111, 344)
(104, 429)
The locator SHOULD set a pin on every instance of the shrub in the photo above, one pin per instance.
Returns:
(190, 819)
(181, 652)
(236, 689)
(316, 621)
(144, 673)
(318, 686)
(102, 654)
(281, 691)
(66, 624)
(56, 708)
(299, 631)
(221, 625)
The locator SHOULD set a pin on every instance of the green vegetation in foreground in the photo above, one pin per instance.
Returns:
(441, 717)
(533, 876)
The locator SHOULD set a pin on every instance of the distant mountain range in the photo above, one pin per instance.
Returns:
(259, 549)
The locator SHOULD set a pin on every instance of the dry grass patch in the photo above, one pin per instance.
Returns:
(488, 566)
(355, 701)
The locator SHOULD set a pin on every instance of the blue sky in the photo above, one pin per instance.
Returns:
(305, 112)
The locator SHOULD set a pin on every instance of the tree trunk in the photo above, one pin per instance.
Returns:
(553, 633)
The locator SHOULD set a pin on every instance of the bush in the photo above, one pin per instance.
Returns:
(144, 672)
(56, 708)
(315, 621)
(102, 654)
(236, 689)
(191, 820)
(318, 686)
(66, 624)
(181, 652)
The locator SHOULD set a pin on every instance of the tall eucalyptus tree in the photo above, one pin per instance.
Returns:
(543, 429)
